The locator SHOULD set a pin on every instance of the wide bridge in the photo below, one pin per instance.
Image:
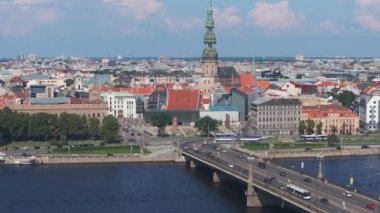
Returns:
(270, 185)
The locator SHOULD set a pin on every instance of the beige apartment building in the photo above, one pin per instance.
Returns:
(342, 118)
(276, 117)
(90, 110)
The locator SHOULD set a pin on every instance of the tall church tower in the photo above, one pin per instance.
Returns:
(209, 78)
(210, 55)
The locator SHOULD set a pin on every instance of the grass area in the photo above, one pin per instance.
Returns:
(266, 146)
(29, 144)
(365, 140)
(101, 150)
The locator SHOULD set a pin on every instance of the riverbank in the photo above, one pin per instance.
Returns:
(91, 159)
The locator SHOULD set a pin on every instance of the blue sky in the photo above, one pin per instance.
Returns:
(135, 28)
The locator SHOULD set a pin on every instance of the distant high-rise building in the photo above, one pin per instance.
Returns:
(299, 58)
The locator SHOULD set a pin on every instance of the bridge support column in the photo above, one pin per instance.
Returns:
(252, 197)
(192, 164)
(216, 178)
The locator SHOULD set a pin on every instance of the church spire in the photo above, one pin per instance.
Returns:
(210, 38)
(210, 54)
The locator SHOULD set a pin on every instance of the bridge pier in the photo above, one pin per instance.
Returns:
(216, 177)
(192, 164)
(257, 199)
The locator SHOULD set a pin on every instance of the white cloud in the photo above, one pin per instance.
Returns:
(330, 26)
(274, 17)
(367, 2)
(367, 14)
(228, 17)
(139, 9)
(20, 17)
(184, 25)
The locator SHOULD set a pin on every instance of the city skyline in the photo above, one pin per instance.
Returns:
(138, 28)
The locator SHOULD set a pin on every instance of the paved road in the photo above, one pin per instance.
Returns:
(334, 194)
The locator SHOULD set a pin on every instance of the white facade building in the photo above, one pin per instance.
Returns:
(369, 108)
(120, 104)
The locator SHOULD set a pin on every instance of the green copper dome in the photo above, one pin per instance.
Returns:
(210, 55)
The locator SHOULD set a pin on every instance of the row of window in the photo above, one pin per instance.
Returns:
(344, 120)
(273, 126)
(280, 107)
(278, 132)
(276, 119)
(279, 112)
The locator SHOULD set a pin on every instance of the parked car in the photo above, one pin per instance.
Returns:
(283, 174)
(365, 147)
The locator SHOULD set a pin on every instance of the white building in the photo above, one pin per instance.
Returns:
(120, 104)
(369, 108)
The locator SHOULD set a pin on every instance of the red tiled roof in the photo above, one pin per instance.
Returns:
(247, 79)
(206, 100)
(263, 84)
(78, 101)
(328, 83)
(135, 90)
(323, 111)
(367, 90)
(186, 99)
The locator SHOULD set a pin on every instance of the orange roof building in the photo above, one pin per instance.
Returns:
(247, 79)
(331, 115)
(186, 99)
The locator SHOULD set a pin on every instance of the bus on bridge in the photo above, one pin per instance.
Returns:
(300, 192)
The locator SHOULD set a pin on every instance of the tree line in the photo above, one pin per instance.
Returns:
(16, 126)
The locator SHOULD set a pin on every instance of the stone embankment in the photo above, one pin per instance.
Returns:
(86, 159)
(312, 153)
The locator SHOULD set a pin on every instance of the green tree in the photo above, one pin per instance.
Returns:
(319, 128)
(206, 124)
(332, 140)
(310, 124)
(161, 121)
(69, 82)
(93, 128)
(273, 86)
(301, 127)
(69, 126)
(6, 121)
(346, 98)
(334, 130)
(110, 129)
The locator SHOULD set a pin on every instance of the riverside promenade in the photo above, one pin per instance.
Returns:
(159, 154)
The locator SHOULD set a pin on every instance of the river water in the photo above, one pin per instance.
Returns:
(146, 187)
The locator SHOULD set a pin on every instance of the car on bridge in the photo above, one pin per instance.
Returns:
(347, 194)
(261, 165)
(324, 200)
(307, 180)
(371, 206)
